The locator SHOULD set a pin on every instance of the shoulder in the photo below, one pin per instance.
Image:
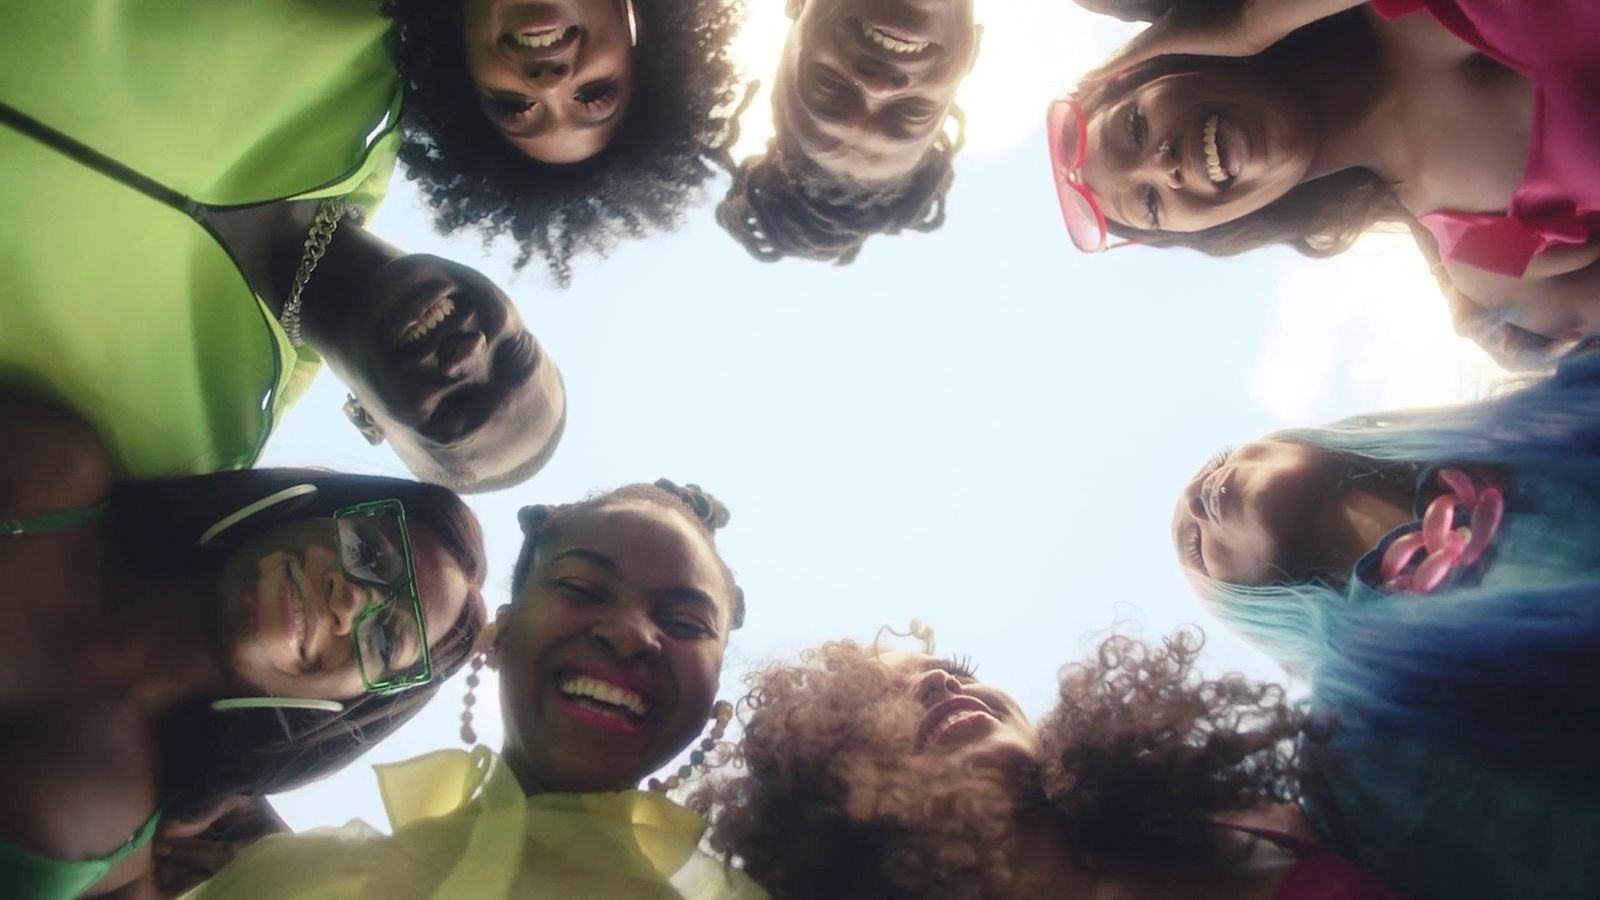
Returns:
(49, 460)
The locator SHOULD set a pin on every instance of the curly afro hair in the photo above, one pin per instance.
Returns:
(673, 132)
(782, 204)
(1137, 758)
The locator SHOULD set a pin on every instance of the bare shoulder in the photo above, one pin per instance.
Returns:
(49, 459)
(1421, 35)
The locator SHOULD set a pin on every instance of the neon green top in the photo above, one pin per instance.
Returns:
(120, 121)
(36, 877)
(464, 829)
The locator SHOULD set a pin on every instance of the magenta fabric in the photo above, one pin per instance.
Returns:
(1321, 873)
(1556, 45)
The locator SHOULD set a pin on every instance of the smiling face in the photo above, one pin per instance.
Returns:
(441, 360)
(553, 76)
(1264, 513)
(965, 722)
(863, 86)
(1188, 151)
(611, 654)
(290, 613)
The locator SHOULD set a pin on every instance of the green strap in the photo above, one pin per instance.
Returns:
(59, 520)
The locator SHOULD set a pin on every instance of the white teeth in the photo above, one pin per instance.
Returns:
(609, 694)
(429, 321)
(890, 42)
(539, 40)
(960, 716)
(1214, 169)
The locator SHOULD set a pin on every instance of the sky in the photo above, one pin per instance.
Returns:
(979, 428)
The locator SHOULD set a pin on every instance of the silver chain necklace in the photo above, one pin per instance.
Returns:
(330, 212)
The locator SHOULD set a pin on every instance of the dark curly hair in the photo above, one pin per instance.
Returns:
(661, 154)
(1318, 218)
(1138, 757)
(782, 204)
(540, 523)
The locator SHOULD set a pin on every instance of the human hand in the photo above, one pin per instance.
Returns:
(1218, 29)
(188, 851)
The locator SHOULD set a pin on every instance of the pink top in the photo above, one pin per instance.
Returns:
(1320, 873)
(1556, 45)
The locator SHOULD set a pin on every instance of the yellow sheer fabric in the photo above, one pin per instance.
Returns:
(463, 829)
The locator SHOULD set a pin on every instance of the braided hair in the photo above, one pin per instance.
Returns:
(541, 523)
(782, 204)
(672, 132)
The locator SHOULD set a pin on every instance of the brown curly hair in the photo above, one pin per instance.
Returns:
(1138, 756)
(1318, 218)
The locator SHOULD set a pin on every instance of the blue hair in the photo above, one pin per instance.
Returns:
(1476, 663)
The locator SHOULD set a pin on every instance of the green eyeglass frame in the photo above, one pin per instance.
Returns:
(396, 607)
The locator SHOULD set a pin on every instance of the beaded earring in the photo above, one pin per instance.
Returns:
(721, 715)
(468, 735)
(479, 659)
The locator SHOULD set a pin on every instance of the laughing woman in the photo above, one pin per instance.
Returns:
(1435, 575)
(867, 129)
(609, 657)
(893, 776)
(176, 642)
(565, 124)
(1295, 145)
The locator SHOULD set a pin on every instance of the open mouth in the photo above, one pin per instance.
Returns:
(602, 698)
(1220, 142)
(954, 721)
(545, 38)
(897, 43)
(428, 320)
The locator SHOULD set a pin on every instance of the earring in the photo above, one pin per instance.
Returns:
(245, 512)
(228, 703)
(362, 420)
(633, 23)
(721, 715)
(468, 735)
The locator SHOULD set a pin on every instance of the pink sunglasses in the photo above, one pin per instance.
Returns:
(1086, 221)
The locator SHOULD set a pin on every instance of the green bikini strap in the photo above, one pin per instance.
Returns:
(59, 520)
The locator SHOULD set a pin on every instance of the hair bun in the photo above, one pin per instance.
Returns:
(532, 517)
(706, 508)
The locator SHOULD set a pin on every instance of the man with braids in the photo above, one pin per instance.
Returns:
(900, 775)
(566, 124)
(609, 657)
(863, 95)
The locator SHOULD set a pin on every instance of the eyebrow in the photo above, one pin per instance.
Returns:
(593, 558)
(543, 126)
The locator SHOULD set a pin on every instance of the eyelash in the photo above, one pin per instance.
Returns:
(1138, 130)
(598, 96)
(1220, 458)
(960, 667)
(510, 109)
(1191, 549)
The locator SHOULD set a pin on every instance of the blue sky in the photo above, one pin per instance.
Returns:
(980, 427)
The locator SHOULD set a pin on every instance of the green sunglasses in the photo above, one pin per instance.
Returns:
(391, 638)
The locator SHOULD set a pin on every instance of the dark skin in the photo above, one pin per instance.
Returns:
(437, 356)
(108, 656)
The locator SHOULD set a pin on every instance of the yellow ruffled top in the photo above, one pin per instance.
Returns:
(464, 829)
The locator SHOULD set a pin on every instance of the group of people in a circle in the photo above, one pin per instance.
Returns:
(182, 226)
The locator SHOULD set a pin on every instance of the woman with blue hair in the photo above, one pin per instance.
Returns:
(1434, 575)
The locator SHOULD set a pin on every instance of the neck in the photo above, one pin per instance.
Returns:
(340, 282)
(1368, 509)
(1352, 104)
(163, 625)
